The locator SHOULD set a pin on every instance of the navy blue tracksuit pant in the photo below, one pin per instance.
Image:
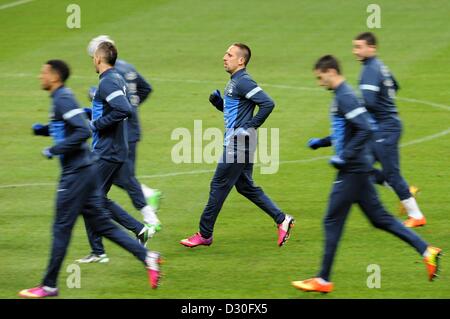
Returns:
(107, 172)
(385, 148)
(231, 173)
(350, 188)
(80, 193)
(126, 179)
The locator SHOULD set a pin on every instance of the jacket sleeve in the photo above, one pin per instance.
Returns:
(358, 118)
(115, 96)
(74, 117)
(370, 86)
(251, 91)
(143, 88)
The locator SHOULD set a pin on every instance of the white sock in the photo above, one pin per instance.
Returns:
(149, 215)
(426, 253)
(49, 289)
(322, 281)
(148, 192)
(412, 208)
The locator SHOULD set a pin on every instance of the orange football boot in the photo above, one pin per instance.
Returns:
(414, 222)
(432, 262)
(313, 284)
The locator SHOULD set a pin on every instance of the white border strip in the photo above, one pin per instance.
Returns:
(113, 95)
(253, 92)
(369, 87)
(352, 114)
(72, 113)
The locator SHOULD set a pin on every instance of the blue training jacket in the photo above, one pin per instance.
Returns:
(241, 95)
(110, 110)
(352, 130)
(138, 91)
(70, 130)
(378, 87)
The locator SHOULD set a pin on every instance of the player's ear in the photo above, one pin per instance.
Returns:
(96, 59)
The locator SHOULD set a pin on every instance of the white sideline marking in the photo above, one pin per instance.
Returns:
(278, 86)
(426, 138)
(201, 171)
(441, 106)
(14, 4)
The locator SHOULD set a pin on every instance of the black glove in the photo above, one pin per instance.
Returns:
(216, 99)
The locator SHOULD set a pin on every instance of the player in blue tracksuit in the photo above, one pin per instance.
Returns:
(241, 95)
(78, 189)
(110, 111)
(138, 90)
(378, 87)
(352, 130)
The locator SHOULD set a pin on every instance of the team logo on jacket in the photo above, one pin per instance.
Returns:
(229, 89)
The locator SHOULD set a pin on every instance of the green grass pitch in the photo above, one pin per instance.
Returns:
(178, 45)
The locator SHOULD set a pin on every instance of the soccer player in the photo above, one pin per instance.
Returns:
(110, 111)
(378, 87)
(351, 135)
(138, 90)
(78, 189)
(236, 165)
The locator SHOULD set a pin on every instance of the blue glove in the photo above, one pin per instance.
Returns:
(40, 129)
(216, 99)
(88, 112)
(315, 143)
(337, 161)
(91, 92)
(46, 152)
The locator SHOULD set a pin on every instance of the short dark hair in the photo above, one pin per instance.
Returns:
(327, 62)
(61, 68)
(246, 50)
(369, 37)
(108, 51)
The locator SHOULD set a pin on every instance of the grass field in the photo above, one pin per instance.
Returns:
(178, 45)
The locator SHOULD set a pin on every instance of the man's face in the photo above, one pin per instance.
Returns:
(324, 78)
(96, 60)
(362, 50)
(233, 59)
(47, 77)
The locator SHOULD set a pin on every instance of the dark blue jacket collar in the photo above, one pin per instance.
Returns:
(369, 60)
(57, 90)
(238, 73)
(106, 72)
(340, 87)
